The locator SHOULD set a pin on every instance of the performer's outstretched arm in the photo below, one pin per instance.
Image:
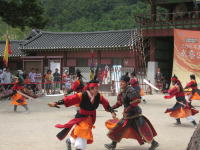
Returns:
(172, 92)
(106, 106)
(119, 102)
(68, 100)
(25, 95)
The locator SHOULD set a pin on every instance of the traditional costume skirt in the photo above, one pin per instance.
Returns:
(138, 127)
(84, 130)
(18, 99)
(192, 94)
(181, 111)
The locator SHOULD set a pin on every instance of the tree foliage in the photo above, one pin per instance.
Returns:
(92, 15)
(22, 13)
(69, 15)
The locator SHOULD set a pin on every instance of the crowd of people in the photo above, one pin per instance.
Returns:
(35, 83)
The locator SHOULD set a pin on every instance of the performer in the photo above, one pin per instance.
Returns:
(181, 109)
(84, 120)
(195, 93)
(78, 85)
(18, 97)
(133, 124)
(135, 84)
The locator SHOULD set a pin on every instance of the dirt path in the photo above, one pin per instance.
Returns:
(35, 130)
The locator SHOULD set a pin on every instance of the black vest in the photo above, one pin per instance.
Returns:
(87, 105)
(81, 85)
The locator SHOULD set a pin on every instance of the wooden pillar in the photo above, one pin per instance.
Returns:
(153, 10)
(99, 57)
(152, 51)
(65, 58)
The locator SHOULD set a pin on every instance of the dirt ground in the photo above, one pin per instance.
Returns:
(35, 130)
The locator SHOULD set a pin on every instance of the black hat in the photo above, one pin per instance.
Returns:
(125, 77)
(78, 73)
(133, 73)
(192, 76)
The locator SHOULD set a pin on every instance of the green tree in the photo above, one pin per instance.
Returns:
(93, 15)
(22, 13)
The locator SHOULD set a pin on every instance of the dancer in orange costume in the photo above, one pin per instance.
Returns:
(84, 120)
(194, 94)
(18, 97)
(181, 109)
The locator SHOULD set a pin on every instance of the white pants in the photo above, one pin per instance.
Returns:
(79, 143)
(187, 97)
(190, 118)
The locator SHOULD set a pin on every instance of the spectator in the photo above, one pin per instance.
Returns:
(91, 74)
(48, 80)
(32, 75)
(38, 80)
(7, 78)
(1, 76)
(27, 82)
(159, 79)
(67, 81)
(56, 79)
(20, 75)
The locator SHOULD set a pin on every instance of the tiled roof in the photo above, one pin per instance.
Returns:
(14, 47)
(80, 40)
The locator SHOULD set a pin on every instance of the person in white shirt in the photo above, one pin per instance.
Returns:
(1, 76)
(32, 76)
(38, 80)
(7, 78)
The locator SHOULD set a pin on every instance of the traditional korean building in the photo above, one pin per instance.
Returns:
(50, 50)
(158, 28)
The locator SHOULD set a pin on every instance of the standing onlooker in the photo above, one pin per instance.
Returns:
(48, 80)
(32, 79)
(56, 79)
(1, 86)
(159, 79)
(38, 80)
(1, 76)
(67, 81)
(20, 75)
(91, 74)
(7, 78)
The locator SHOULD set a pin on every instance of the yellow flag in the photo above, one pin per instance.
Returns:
(5, 56)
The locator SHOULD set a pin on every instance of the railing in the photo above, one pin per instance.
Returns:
(170, 20)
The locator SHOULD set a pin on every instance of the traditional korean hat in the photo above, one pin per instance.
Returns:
(125, 78)
(133, 73)
(78, 73)
(192, 76)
